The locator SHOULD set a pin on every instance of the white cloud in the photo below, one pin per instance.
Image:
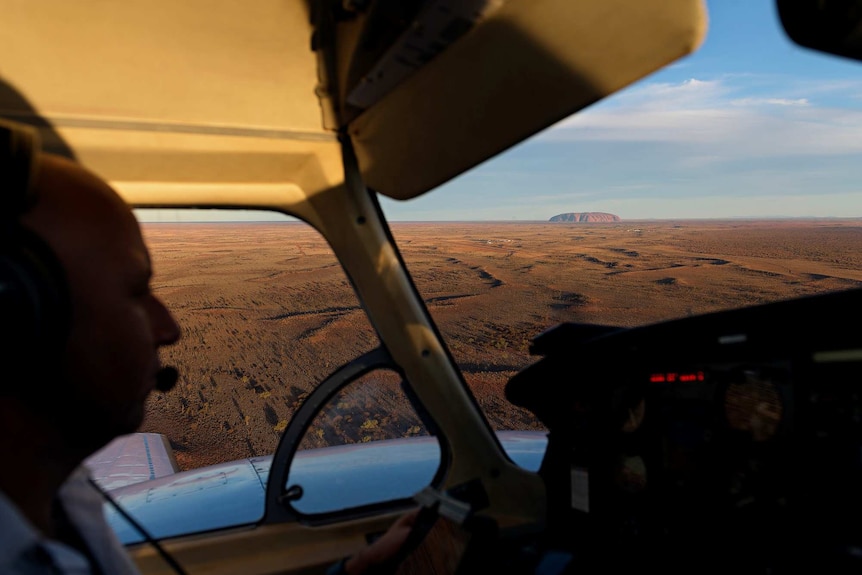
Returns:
(717, 120)
(848, 87)
(770, 102)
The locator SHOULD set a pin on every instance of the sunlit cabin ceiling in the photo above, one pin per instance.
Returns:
(224, 96)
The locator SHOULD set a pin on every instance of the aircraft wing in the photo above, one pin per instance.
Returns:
(130, 459)
(231, 494)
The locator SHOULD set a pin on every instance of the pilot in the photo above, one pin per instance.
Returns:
(81, 335)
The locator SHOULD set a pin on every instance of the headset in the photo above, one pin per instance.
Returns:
(35, 304)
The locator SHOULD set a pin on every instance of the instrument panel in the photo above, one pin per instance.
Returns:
(730, 442)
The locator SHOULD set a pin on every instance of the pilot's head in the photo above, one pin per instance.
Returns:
(93, 355)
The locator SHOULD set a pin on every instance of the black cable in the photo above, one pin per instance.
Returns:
(140, 528)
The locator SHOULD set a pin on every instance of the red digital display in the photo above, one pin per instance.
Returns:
(674, 376)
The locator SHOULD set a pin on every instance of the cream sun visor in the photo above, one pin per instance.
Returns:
(163, 91)
(522, 68)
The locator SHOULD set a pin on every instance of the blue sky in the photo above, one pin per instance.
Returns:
(750, 125)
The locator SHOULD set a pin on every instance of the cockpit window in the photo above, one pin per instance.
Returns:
(266, 313)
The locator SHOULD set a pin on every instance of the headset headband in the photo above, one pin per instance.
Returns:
(19, 147)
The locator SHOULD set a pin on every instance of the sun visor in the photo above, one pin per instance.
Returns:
(517, 67)
(164, 92)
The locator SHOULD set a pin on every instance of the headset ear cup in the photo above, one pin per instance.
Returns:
(34, 300)
(34, 296)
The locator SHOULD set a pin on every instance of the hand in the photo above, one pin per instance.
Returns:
(384, 548)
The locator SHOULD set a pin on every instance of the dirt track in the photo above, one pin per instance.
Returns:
(267, 312)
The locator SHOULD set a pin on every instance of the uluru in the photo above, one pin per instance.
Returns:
(585, 217)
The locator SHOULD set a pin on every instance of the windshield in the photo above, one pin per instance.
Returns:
(730, 178)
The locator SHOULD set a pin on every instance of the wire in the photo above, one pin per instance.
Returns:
(140, 528)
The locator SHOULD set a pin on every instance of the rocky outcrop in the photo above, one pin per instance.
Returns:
(585, 217)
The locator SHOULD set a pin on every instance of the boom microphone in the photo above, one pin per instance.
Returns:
(166, 378)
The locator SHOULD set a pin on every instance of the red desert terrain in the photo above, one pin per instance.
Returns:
(267, 312)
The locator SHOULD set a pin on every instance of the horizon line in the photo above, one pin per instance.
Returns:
(512, 221)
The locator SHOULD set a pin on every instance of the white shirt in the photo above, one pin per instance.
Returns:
(25, 551)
